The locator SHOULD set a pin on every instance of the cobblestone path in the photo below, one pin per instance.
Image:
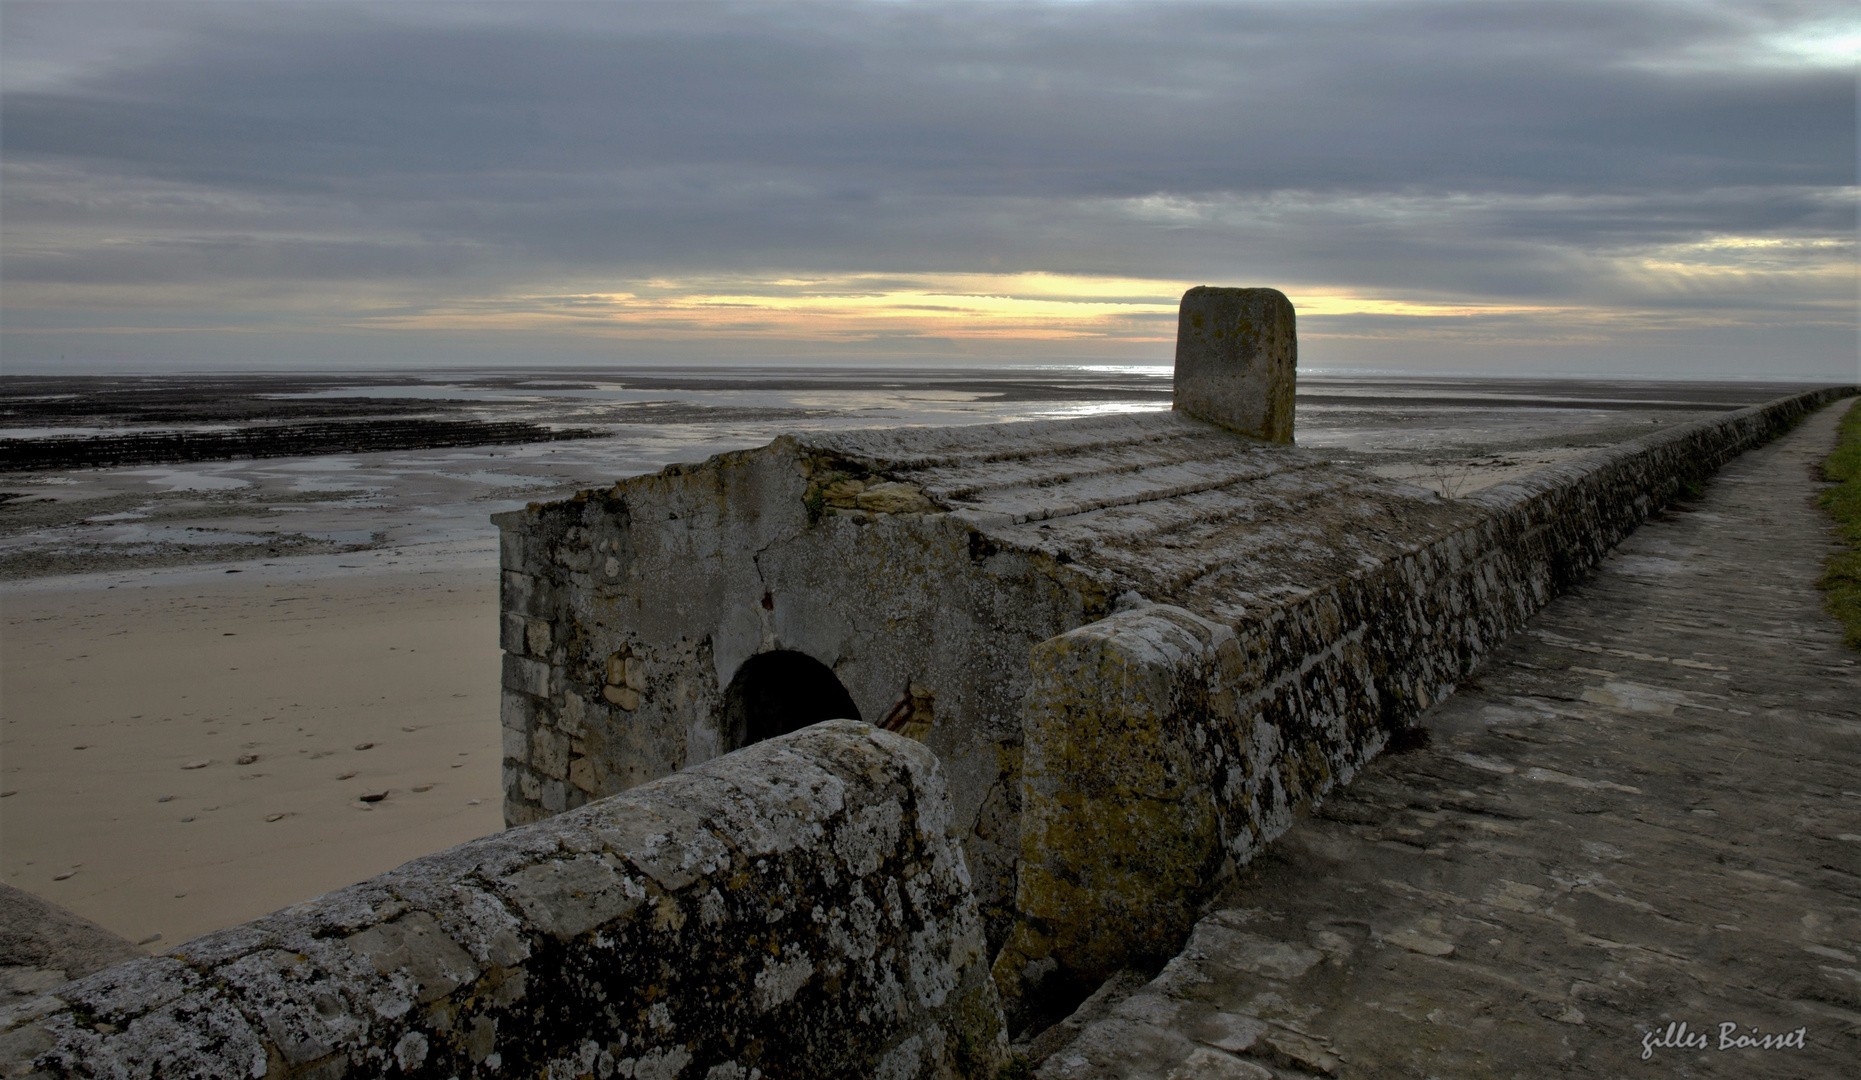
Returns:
(1644, 811)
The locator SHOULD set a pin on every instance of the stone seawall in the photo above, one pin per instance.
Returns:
(1163, 749)
(795, 909)
(802, 906)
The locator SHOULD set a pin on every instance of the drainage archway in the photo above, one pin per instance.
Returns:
(774, 693)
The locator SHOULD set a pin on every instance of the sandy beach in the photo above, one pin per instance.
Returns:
(112, 697)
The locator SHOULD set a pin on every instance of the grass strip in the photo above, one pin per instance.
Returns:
(1842, 580)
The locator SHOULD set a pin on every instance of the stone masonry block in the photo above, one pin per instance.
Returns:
(415, 944)
(1236, 356)
(574, 716)
(518, 710)
(512, 540)
(549, 752)
(516, 746)
(518, 811)
(526, 594)
(526, 675)
(536, 637)
(1120, 834)
(510, 632)
(586, 774)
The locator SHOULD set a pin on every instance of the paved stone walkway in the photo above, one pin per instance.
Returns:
(1644, 811)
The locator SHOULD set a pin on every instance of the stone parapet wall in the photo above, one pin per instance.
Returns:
(1162, 749)
(795, 909)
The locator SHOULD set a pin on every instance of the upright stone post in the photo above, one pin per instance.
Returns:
(1236, 354)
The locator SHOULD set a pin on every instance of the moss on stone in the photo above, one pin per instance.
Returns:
(1842, 580)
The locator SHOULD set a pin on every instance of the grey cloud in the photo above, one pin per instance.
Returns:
(172, 260)
(1489, 149)
(974, 101)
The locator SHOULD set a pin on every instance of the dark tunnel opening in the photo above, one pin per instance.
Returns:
(774, 693)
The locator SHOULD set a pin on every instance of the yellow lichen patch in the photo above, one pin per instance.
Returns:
(893, 498)
(843, 491)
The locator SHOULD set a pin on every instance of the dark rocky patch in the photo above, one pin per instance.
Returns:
(261, 441)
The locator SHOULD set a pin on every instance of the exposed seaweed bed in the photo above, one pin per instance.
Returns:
(267, 441)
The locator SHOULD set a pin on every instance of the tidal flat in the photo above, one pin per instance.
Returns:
(209, 664)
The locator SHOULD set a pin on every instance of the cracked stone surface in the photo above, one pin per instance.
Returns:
(1643, 812)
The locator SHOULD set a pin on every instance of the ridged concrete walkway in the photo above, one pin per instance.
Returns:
(1644, 811)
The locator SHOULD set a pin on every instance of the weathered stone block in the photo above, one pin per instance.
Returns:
(575, 714)
(549, 752)
(536, 637)
(585, 773)
(527, 594)
(511, 553)
(523, 812)
(569, 897)
(511, 632)
(1119, 828)
(517, 710)
(526, 675)
(1236, 355)
(416, 948)
(517, 745)
(664, 841)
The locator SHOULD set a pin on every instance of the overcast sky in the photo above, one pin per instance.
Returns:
(1663, 188)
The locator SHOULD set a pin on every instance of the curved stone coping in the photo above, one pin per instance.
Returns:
(796, 908)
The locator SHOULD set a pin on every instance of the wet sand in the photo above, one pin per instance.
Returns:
(110, 694)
